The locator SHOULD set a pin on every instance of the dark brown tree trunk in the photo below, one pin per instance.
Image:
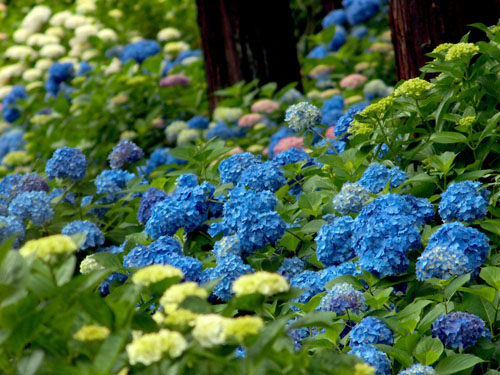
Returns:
(329, 5)
(418, 26)
(246, 40)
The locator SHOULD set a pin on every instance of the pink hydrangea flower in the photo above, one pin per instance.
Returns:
(175, 80)
(249, 120)
(265, 105)
(352, 81)
(329, 133)
(288, 143)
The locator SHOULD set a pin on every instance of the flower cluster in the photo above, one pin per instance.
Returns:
(351, 199)
(374, 357)
(9, 112)
(464, 201)
(139, 51)
(343, 297)
(32, 205)
(124, 152)
(302, 116)
(334, 242)
(156, 273)
(92, 332)
(93, 235)
(371, 330)
(231, 169)
(460, 51)
(377, 176)
(459, 329)
(418, 369)
(261, 282)
(48, 248)
(150, 347)
(415, 88)
(66, 162)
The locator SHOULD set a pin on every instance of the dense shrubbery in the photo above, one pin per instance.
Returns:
(287, 231)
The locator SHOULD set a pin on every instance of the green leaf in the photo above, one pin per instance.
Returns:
(323, 319)
(455, 363)
(345, 279)
(109, 352)
(492, 276)
(481, 290)
(428, 350)
(313, 226)
(29, 365)
(448, 137)
(492, 226)
(452, 287)
(401, 356)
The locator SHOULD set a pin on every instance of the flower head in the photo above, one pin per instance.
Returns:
(374, 357)
(351, 198)
(156, 273)
(47, 248)
(150, 347)
(262, 282)
(210, 330)
(343, 297)
(93, 235)
(124, 152)
(464, 201)
(459, 329)
(243, 326)
(371, 330)
(418, 369)
(176, 294)
(415, 87)
(461, 50)
(32, 205)
(302, 116)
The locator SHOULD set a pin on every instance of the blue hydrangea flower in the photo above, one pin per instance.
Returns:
(66, 162)
(148, 200)
(338, 40)
(252, 216)
(290, 156)
(222, 131)
(459, 329)
(302, 116)
(31, 182)
(112, 182)
(464, 201)
(291, 96)
(267, 176)
(334, 242)
(310, 282)
(383, 234)
(7, 186)
(124, 152)
(228, 269)
(332, 272)
(467, 243)
(191, 267)
(158, 252)
(331, 118)
(418, 369)
(11, 226)
(291, 267)
(68, 198)
(227, 246)
(421, 208)
(160, 157)
(344, 123)
(84, 68)
(139, 51)
(441, 263)
(187, 208)
(230, 169)
(32, 205)
(351, 199)
(371, 330)
(186, 181)
(198, 122)
(58, 74)
(93, 235)
(376, 177)
(11, 140)
(318, 52)
(360, 11)
(215, 203)
(359, 32)
(343, 297)
(335, 17)
(9, 112)
(374, 357)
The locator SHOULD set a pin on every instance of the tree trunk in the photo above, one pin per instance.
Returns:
(418, 26)
(329, 5)
(246, 40)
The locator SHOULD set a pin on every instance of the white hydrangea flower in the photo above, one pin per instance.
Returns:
(41, 40)
(82, 33)
(167, 34)
(21, 35)
(107, 35)
(4, 91)
(60, 18)
(89, 54)
(176, 47)
(74, 21)
(20, 53)
(55, 31)
(32, 74)
(52, 51)
(85, 6)
(35, 19)
(10, 71)
(115, 13)
(114, 67)
(136, 39)
(44, 64)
